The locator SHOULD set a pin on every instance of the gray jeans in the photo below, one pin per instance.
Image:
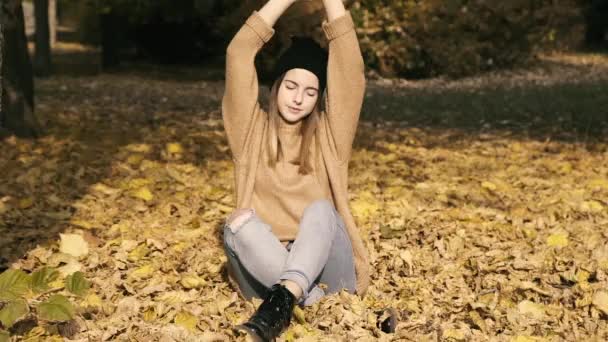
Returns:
(320, 253)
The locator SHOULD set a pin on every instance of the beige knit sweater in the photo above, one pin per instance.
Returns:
(246, 125)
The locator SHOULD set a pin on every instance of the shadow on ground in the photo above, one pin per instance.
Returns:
(91, 117)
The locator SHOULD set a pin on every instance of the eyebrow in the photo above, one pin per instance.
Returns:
(296, 83)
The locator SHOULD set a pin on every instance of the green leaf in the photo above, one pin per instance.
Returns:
(57, 308)
(13, 284)
(12, 312)
(42, 278)
(77, 284)
(4, 336)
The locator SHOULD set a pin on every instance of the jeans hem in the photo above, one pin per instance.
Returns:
(300, 279)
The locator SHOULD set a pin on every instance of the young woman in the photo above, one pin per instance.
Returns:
(293, 228)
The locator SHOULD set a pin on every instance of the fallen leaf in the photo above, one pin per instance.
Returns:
(73, 244)
(600, 300)
(186, 320)
(558, 240)
(56, 309)
(143, 193)
(535, 310)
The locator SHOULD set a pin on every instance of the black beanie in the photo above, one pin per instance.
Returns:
(304, 53)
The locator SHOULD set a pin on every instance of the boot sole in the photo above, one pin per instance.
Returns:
(251, 332)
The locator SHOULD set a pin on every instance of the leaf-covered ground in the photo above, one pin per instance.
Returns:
(483, 202)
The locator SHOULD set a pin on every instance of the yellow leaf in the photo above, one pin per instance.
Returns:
(600, 183)
(25, 203)
(600, 300)
(453, 335)
(73, 244)
(527, 307)
(476, 318)
(366, 205)
(186, 320)
(135, 159)
(140, 148)
(81, 223)
(585, 300)
(104, 189)
(92, 300)
(179, 247)
(592, 206)
(143, 193)
(174, 148)
(488, 185)
(558, 240)
(174, 297)
(150, 315)
(582, 278)
(392, 147)
(136, 183)
(143, 272)
(565, 168)
(299, 315)
(192, 281)
(525, 339)
(529, 233)
(138, 253)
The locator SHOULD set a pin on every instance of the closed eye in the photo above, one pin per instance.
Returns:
(289, 84)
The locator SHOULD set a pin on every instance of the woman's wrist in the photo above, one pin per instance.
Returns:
(334, 9)
(273, 9)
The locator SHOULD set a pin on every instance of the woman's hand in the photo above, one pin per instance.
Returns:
(273, 9)
(334, 9)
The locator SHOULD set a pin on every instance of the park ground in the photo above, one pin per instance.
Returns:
(483, 203)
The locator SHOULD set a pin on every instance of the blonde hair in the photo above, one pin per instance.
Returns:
(308, 130)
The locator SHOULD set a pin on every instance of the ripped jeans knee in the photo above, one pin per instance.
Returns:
(238, 218)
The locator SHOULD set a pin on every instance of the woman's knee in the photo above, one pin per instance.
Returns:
(238, 218)
(244, 231)
(320, 217)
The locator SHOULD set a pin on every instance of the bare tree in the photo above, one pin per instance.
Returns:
(17, 78)
(1, 54)
(42, 56)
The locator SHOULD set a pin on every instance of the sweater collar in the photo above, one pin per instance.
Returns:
(287, 127)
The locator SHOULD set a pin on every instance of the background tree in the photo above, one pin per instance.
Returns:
(42, 56)
(1, 45)
(17, 77)
(596, 16)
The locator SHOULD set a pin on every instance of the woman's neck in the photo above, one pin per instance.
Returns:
(285, 125)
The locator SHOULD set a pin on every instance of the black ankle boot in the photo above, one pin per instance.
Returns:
(273, 315)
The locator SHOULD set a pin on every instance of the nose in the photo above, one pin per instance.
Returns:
(298, 97)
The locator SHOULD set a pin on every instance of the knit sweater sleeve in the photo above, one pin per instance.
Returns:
(345, 83)
(240, 100)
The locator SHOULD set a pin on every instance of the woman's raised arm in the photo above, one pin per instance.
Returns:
(240, 100)
(345, 77)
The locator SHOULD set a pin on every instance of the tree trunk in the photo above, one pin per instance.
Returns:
(17, 79)
(597, 25)
(53, 22)
(42, 57)
(1, 46)
(109, 41)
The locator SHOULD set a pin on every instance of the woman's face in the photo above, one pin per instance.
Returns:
(297, 94)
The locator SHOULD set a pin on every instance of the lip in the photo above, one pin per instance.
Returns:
(296, 110)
